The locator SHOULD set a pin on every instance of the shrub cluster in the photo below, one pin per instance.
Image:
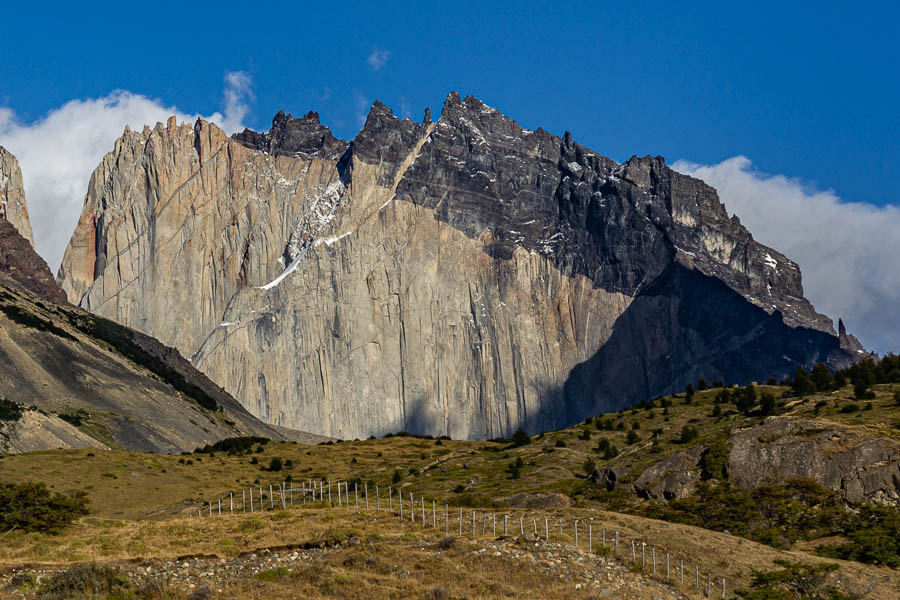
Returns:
(235, 445)
(33, 507)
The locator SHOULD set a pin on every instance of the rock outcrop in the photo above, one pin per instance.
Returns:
(12, 195)
(463, 277)
(674, 477)
(858, 466)
(21, 267)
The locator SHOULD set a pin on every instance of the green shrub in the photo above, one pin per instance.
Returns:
(33, 507)
(632, 437)
(688, 434)
(794, 580)
(849, 408)
(714, 462)
(874, 534)
(520, 438)
(560, 443)
(9, 410)
(275, 465)
(232, 446)
(585, 435)
(397, 477)
(589, 466)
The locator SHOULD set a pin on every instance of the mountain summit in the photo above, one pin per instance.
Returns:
(464, 277)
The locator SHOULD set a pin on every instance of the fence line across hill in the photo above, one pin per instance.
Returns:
(313, 490)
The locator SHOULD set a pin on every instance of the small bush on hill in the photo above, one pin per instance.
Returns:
(714, 462)
(688, 435)
(275, 465)
(9, 410)
(520, 438)
(33, 507)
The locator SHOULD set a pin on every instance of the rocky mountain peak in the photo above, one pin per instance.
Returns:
(12, 195)
(465, 277)
(304, 137)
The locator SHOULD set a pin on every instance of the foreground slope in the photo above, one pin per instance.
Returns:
(464, 277)
(327, 550)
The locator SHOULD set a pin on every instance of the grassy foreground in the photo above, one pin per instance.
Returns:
(144, 506)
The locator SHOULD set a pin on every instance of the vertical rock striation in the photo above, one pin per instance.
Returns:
(463, 277)
(12, 195)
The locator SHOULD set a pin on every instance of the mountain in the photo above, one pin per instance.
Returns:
(464, 277)
(12, 195)
(72, 379)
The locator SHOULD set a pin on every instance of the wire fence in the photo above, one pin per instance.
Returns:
(476, 523)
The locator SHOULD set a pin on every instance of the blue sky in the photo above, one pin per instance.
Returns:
(809, 91)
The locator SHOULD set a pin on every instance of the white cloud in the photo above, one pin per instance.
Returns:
(58, 152)
(849, 252)
(378, 58)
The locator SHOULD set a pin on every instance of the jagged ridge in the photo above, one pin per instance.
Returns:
(466, 277)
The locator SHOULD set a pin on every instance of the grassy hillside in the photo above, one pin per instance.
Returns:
(145, 505)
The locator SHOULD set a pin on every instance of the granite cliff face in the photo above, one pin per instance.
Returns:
(12, 195)
(70, 379)
(462, 277)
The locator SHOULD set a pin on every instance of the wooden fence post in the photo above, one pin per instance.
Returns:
(483, 523)
(653, 558)
(243, 501)
(251, 500)
(698, 577)
(473, 523)
(329, 493)
(633, 555)
(590, 537)
(534, 526)
(521, 526)
(667, 566)
(547, 529)
(617, 542)
(366, 492)
(643, 554)
(356, 495)
(576, 533)
(271, 497)
(494, 523)
(220, 507)
(708, 585)
(412, 509)
(505, 520)
(231, 499)
(339, 494)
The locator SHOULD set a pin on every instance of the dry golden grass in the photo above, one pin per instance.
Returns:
(144, 505)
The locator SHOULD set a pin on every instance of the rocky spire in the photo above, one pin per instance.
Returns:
(12, 195)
